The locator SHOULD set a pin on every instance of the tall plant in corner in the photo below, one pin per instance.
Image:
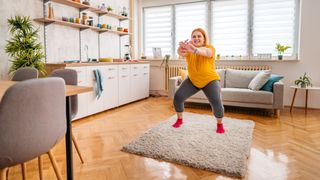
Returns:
(23, 47)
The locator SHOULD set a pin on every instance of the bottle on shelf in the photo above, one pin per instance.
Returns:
(50, 10)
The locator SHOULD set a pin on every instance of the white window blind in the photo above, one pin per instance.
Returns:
(187, 18)
(158, 28)
(230, 27)
(273, 22)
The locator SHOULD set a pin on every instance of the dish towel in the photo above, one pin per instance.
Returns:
(99, 88)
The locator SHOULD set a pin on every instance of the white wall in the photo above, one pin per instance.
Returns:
(309, 58)
(64, 42)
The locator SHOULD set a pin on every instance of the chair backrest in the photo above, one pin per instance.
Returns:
(70, 77)
(32, 119)
(25, 73)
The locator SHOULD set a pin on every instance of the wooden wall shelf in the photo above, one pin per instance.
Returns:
(90, 8)
(80, 26)
(72, 4)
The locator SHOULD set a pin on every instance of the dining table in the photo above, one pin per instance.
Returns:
(70, 90)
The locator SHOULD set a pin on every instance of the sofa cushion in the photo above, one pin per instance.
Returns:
(247, 95)
(239, 78)
(259, 80)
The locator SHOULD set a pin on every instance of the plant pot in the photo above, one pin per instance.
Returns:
(303, 85)
(280, 57)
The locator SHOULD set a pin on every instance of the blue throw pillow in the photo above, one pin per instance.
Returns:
(268, 86)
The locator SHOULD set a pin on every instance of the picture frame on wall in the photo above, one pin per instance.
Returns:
(157, 54)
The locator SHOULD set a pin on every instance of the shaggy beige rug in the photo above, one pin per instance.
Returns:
(196, 144)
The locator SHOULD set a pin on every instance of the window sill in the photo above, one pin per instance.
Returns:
(238, 60)
(257, 60)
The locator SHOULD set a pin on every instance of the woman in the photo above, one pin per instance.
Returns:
(202, 76)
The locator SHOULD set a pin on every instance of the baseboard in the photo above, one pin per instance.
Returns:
(302, 107)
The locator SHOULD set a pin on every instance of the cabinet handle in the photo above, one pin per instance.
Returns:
(135, 74)
(135, 67)
(111, 77)
(145, 73)
(145, 67)
(124, 68)
(123, 76)
(111, 69)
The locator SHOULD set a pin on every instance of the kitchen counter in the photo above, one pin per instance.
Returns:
(52, 66)
(61, 65)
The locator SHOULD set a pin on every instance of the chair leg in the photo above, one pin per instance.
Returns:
(54, 164)
(40, 167)
(24, 171)
(7, 174)
(77, 148)
(3, 174)
(277, 113)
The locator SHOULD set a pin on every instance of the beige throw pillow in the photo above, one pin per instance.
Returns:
(259, 80)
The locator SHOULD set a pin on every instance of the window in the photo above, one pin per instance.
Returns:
(187, 18)
(273, 22)
(157, 30)
(230, 27)
(243, 28)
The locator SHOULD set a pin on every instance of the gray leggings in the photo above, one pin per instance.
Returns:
(211, 90)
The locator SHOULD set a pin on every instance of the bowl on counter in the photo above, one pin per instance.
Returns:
(105, 60)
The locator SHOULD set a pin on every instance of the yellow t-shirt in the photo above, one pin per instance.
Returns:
(201, 69)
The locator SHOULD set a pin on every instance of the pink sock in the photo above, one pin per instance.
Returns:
(220, 128)
(178, 123)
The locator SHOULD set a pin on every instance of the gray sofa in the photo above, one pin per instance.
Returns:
(235, 91)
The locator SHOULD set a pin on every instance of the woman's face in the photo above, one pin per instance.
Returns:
(197, 39)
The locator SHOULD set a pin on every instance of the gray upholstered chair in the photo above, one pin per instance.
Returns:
(25, 73)
(71, 78)
(32, 121)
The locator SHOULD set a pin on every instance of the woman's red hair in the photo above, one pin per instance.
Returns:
(203, 32)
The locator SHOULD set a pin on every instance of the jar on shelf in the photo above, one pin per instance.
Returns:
(90, 21)
(84, 18)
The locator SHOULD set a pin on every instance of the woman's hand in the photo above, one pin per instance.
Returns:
(190, 48)
(182, 51)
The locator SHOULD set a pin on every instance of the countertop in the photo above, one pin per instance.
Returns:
(92, 64)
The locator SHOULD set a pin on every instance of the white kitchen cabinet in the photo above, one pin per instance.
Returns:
(124, 84)
(139, 81)
(82, 98)
(111, 95)
(95, 104)
(145, 73)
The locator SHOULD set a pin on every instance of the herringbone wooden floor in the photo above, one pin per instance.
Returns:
(283, 148)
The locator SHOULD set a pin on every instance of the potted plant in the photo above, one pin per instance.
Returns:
(109, 8)
(165, 61)
(281, 49)
(303, 81)
(23, 47)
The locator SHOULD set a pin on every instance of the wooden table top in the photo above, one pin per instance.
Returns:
(70, 90)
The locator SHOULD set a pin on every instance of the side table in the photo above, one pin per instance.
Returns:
(307, 90)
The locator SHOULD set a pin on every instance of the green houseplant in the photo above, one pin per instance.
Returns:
(165, 61)
(23, 48)
(281, 49)
(303, 81)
